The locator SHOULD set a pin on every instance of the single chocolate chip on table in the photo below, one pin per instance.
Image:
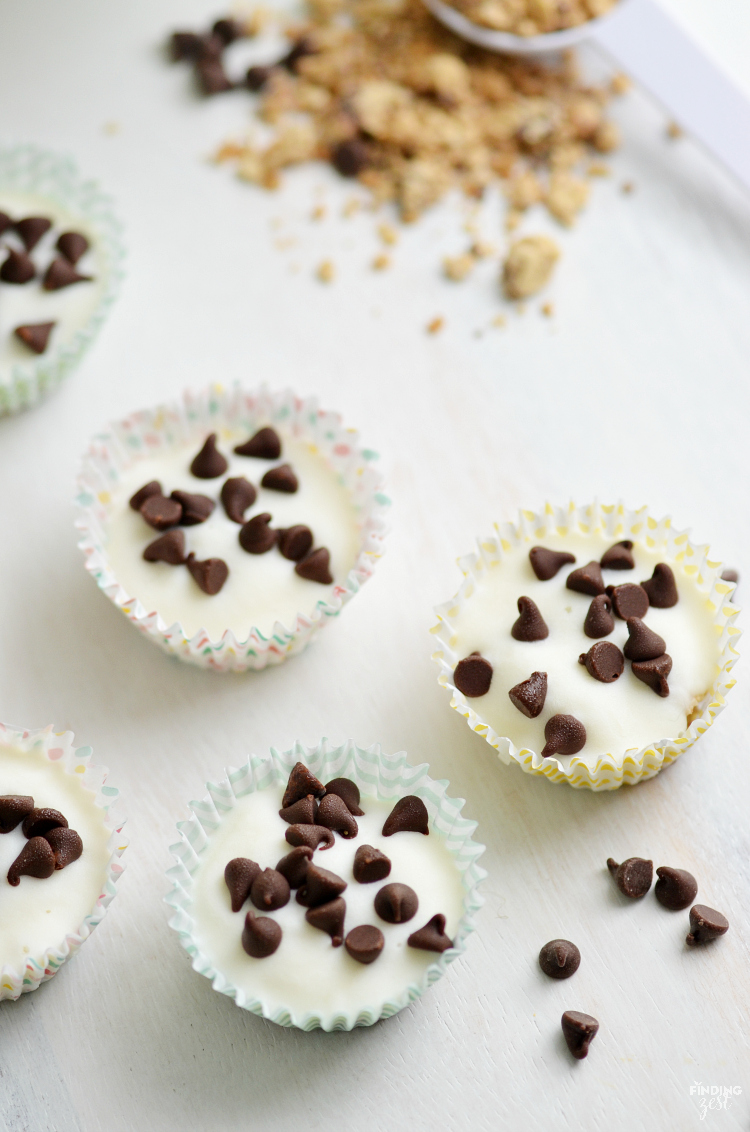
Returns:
(643, 643)
(264, 444)
(256, 537)
(599, 620)
(559, 959)
(603, 661)
(676, 888)
(210, 574)
(195, 508)
(301, 812)
(396, 903)
(36, 859)
(38, 822)
(169, 548)
(586, 580)
(365, 943)
(294, 865)
(370, 865)
(295, 542)
(628, 600)
(546, 563)
(209, 464)
(184, 45)
(17, 268)
(31, 229)
(153, 487)
(161, 512)
(579, 1030)
(347, 790)
(334, 813)
(705, 924)
(270, 890)
(72, 245)
(529, 695)
(261, 936)
(432, 936)
(281, 478)
(316, 567)
(564, 735)
(473, 675)
(661, 587)
(237, 494)
(654, 673)
(66, 845)
(35, 335)
(239, 875)
(315, 836)
(409, 815)
(60, 274)
(320, 886)
(633, 877)
(329, 918)
(13, 809)
(300, 783)
(530, 625)
(618, 557)
(350, 157)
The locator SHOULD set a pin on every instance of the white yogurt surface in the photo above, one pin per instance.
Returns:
(306, 973)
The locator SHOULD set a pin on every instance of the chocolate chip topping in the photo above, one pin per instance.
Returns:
(281, 478)
(269, 890)
(227, 30)
(66, 845)
(316, 567)
(184, 45)
(365, 943)
(329, 918)
(334, 813)
(295, 542)
(17, 268)
(529, 695)
(546, 563)
(316, 836)
(72, 245)
(628, 600)
(618, 557)
(530, 626)
(370, 865)
(209, 464)
(599, 620)
(239, 876)
(473, 675)
(676, 888)
(396, 903)
(195, 508)
(432, 936)
(348, 791)
(409, 815)
(579, 1030)
(5, 222)
(260, 936)
(61, 273)
(564, 735)
(153, 487)
(320, 886)
(36, 859)
(35, 335)
(654, 673)
(300, 783)
(256, 537)
(13, 809)
(294, 865)
(705, 924)
(633, 877)
(161, 512)
(603, 661)
(350, 157)
(210, 574)
(211, 76)
(39, 822)
(264, 444)
(255, 79)
(643, 643)
(586, 580)
(301, 812)
(237, 494)
(31, 229)
(661, 587)
(559, 959)
(169, 547)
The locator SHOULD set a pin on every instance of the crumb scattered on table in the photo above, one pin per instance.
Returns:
(436, 325)
(326, 271)
(381, 262)
(458, 267)
(528, 266)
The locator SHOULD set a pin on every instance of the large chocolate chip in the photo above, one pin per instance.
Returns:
(705, 924)
(603, 661)
(294, 865)
(237, 494)
(473, 675)
(36, 859)
(633, 877)
(628, 600)
(320, 886)
(255, 79)
(260, 936)
(301, 812)
(209, 464)
(329, 918)
(270, 890)
(529, 695)
(370, 865)
(300, 783)
(643, 643)
(210, 574)
(432, 936)
(599, 620)
(316, 567)
(39, 822)
(295, 542)
(239, 876)
(35, 335)
(184, 45)
(17, 268)
(546, 563)
(195, 508)
(661, 587)
(211, 76)
(256, 537)
(559, 959)
(153, 487)
(61, 273)
(13, 809)
(264, 444)
(564, 735)
(530, 626)
(169, 547)
(66, 845)
(654, 673)
(281, 478)
(586, 580)
(5, 222)
(161, 512)
(396, 903)
(72, 245)
(350, 157)
(619, 556)
(676, 888)
(334, 814)
(409, 815)
(347, 790)
(31, 229)
(228, 30)
(314, 836)
(365, 943)
(579, 1030)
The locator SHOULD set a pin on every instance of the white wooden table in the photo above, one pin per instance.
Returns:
(636, 388)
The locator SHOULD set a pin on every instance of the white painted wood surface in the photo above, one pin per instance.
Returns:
(637, 388)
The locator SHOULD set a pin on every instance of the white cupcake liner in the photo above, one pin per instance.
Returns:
(149, 431)
(615, 521)
(58, 747)
(26, 169)
(385, 777)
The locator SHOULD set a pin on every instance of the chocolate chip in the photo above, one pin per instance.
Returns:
(409, 815)
(618, 557)
(628, 600)
(295, 542)
(281, 478)
(546, 563)
(564, 735)
(239, 876)
(559, 959)
(643, 643)
(195, 508)
(661, 587)
(347, 790)
(599, 620)
(676, 888)
(169, 547)
(300, 783)
(260, 936)
(17, 268)
(586, 580)
(705, 924)
(210, 574)
(228, 30)
(579, 1030)
(294, 865)
(270, 890)
(633, 877)
(39, 822)
(432, 936)
(237, 494)
(35, 335)
(66, 845)
(473, 675)
(334, 814)
(603, 661)
(255, 79)
(350, 157)
(329, 918)
(530, 626)
(316, 567)
(209, 464)
(72, 245)
(314, 836)
(730, 576)
(529, 695)
(31, 229)
(264, 444)
(256, 537)
(298, 51)
(301, 812)
(365, 943)
(36, 859)
(654, 673)
(5, 222)
(211, 76)
(370, 865)
(153, 487)
(61, 273)
(184, 45)
(161, 512)
(13, 809)
(396, 903)
(320, 886)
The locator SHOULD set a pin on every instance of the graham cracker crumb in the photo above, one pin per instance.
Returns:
(627, 188)
(566, 196)
(326, 271)
(482, 250)
(458, 267)
(598, 169)
(230, 151)
(351, 207)
(318, 213)
(512, 220)
(547, 309)
(381, 262)
(436, 325)
(111, 128)
(675, 130)
(388, 234)
(499, 321)
(620, 84)
(528, 266)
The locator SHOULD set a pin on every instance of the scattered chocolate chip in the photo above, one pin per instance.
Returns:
(661, 587)
(169, 547)
(315, 836)
(255, 79)
(38, 822)
(579, 1030)
(13, 809)
(546, 563)
(529, 695)
(209, 464)
(705, 924)
(320, 886)
(295, 542)
(36, 859)
(301, 812)
(643, 643)
(730, 576)
(269, 890)
(618, 557)
(351, 157)
(564, 735)
(237, 494)
(628, 600)
(473, 675)
(300, 783)
(256, 537)
(347, 790)
(298, 51)
(161, 512)
(281, 478)
(72, 245)
(66, 845)
(432, 936)
(294, 865)
(599, 620)
(17, 268)
(239, 876)
(210, 574)
(559, 959)
(334, 814)
(260, 936)
(586, 580)
(654, 673)
(31, 229)
(329, 918)
(5, 222)
(365, 943)
(143, 493)
(676, 888)
(396, 903)
(530, 626)
(184, 45)
(195, 508)
(228, 30)
(264, 444)
(211, 76)
(409, 815)
(633, 877)
(370, 865)
(316, 567)
(35, 335)
(603, 661)
(61, 273)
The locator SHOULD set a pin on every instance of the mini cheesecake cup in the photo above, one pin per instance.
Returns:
(58, 749)
(189, 420)
(613, 522)
(31, 177)
(379, 776)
